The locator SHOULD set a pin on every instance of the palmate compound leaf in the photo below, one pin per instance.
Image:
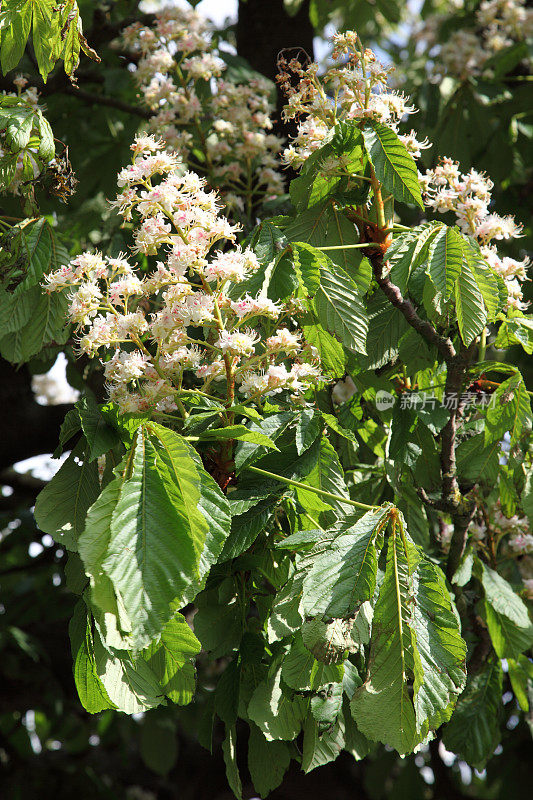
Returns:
(415, 638)
(155, 530)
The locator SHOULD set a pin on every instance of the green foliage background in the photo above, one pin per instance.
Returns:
(48, 745)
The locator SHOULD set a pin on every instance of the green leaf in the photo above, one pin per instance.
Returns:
(477, 462)
(331, 352)
(414, 514)
(286, 615)
(100, 436)
(70, 34)
(333, 423)
(474, 731)
(15, 311)
(307, 429)
(517, 329)
(94, 542)
(330, 642)
(170, 660)
(229, 750)
(273, 711)
(46, 35)
(130, 684)
(45, 325)
(268, 761)
(445, 259)
(246, 527)
(527, 496)
(44, 252)
(394, 166)
(239, 433)
(521, 676)
(91, 690)
(509, 410)
(441, 650)
(302, 671)
(47, 148)
(272, 426)
(382, 706)
(308, 261)
(218, 622)
(510, 628)
(321, 748)
(227, 693)
(62, 506)
(167, 528)
(327, 474)
(386, 326)
(19, 129)
(158, 744)
(339, 308)
(344, 575)
(469, 305)
(15, 36)
(311, 226)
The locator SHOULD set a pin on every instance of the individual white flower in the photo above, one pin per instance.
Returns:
(84, 303)
(153, 232)
(234, 266)
(285, 341)
(214, 370)
(521, 543)
(125, 287)
(125, 367)
(252, 306)
(237, 343)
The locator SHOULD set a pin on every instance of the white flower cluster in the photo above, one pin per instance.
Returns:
(355, 88)
(181, 79)
(469, 197)
(498, 25)
(151, 328)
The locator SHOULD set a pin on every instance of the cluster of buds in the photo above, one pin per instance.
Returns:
(355, 88)
(186, 318)
(469, 197)
(196, 109)
(498, 25)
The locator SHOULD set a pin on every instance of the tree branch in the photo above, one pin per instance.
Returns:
(392, 292)
(103, 100)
